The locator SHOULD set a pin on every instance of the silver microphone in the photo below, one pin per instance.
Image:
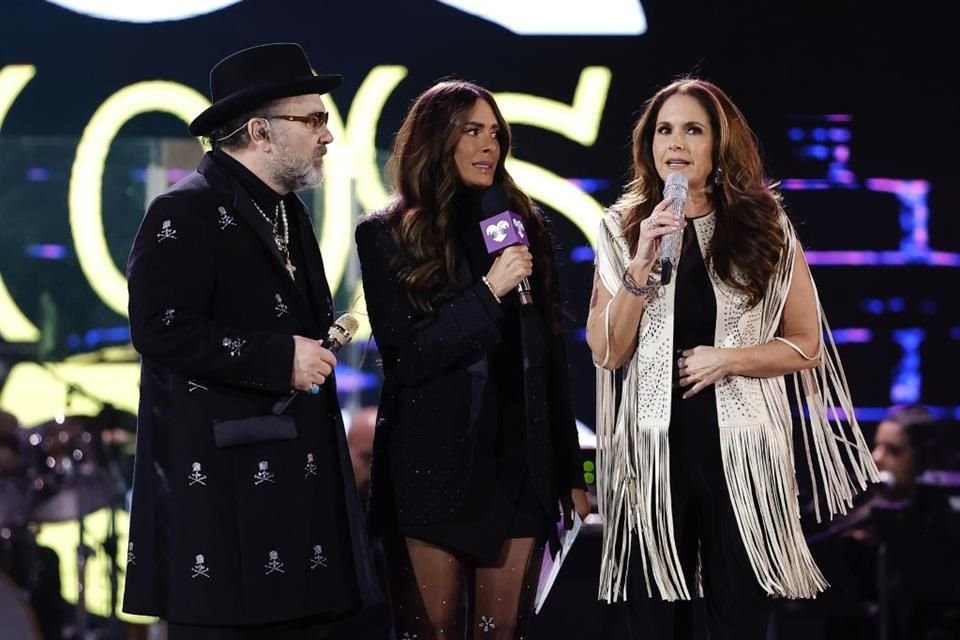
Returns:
(676, 188)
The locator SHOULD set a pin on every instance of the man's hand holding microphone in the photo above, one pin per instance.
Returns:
(315, 360)
(312, 364)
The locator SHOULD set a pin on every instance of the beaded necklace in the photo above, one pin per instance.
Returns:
(282, 240)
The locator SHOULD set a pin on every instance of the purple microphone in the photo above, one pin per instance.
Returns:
(503, 228)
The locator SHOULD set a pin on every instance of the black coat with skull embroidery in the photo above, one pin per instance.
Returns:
(256, 533)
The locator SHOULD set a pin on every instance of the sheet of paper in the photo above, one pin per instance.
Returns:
(567, 541)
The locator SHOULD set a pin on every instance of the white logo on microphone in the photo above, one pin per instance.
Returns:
(518, 224)
(498, 231)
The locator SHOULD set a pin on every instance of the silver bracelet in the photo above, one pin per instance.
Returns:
(490, 286)
(634, 288)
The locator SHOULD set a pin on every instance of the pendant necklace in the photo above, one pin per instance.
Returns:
(281, 239)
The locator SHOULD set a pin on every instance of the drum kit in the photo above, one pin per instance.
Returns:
(56, 472)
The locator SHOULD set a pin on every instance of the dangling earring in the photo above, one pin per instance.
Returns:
(717, 174)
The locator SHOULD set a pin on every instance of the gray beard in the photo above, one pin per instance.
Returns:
(296, 178)
(291, 174)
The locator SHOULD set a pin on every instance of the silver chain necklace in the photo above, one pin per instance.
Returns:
(282, 239)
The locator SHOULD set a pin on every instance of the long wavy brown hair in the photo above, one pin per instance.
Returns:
(748, 241)
(425, 180)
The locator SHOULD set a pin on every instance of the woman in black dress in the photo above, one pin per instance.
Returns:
(476, 454)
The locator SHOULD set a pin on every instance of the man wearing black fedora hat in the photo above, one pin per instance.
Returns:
(245, 520)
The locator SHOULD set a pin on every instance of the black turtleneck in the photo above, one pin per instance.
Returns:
(268, 199)
(256, 188)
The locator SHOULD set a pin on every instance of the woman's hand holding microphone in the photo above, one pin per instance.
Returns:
(510, 267)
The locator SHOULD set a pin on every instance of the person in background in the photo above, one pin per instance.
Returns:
(902, 448)
(893, 559)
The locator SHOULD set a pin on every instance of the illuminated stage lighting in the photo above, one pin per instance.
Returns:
(47, 251)
(144, 11)
(560, 17)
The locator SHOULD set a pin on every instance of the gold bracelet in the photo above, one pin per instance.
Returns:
(490, 286)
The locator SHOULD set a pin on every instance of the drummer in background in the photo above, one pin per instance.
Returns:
(34, 568)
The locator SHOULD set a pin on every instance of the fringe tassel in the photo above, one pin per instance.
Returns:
(764, 500)
(823, 392)
(656, 516)
(631, 502)
(858, 452)
(610, 498)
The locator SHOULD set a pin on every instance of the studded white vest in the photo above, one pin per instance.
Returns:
(756, 432)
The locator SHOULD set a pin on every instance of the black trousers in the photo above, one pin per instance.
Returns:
(733, 605)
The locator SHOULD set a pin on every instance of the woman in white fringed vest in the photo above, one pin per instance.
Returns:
(696, 481)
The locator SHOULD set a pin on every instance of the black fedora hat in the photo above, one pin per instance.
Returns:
(247, 79)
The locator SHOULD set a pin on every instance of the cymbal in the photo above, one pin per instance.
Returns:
(72, 461)
(75, 498)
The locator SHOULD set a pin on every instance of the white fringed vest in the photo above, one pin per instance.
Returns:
(756, 436)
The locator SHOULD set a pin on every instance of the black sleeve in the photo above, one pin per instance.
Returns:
(459, 331)
(171, 277)
(562, 418)
(569, 455)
